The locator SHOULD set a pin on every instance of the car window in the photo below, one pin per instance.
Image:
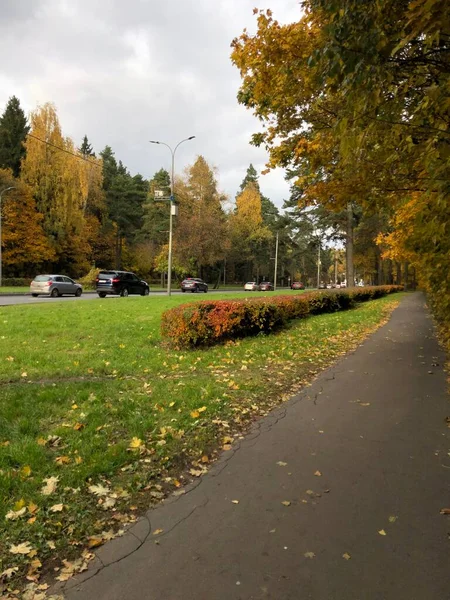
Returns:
(67, 280)
(42, 278)
(59, 279)
(106, 274)
(135, 277)
(128, 277)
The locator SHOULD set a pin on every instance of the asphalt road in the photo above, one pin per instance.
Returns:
(10, 300)
(334, 496)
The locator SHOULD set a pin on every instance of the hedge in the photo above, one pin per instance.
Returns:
(16, 281)
(214, 321)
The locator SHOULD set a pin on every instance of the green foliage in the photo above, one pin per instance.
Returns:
(13, 131)
(211, 322)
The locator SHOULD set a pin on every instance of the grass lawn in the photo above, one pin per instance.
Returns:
(98, 420)
(8, 289)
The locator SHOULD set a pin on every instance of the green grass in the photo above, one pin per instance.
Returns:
(80, 380)
(8, 289)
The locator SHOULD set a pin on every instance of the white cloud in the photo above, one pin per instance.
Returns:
(127, 72)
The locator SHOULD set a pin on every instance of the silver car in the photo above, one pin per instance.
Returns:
(54, 286)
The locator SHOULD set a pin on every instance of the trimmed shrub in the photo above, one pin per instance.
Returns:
(213, 321)
(16, 281)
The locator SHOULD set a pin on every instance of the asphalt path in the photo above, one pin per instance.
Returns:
(13, 299)
(336, 495)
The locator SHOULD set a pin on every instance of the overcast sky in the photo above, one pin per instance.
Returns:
(127, 71)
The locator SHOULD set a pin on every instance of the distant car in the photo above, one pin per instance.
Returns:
(338, 286)
(120, 283)
(54, 286)
(251, 286)
(329, 286)
(266, 286)
(194, 285)
(297, 285)
(322, 286)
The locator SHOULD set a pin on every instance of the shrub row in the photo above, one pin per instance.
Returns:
(16, 281)
(213, 321)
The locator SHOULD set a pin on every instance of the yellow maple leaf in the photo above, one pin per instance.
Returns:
(195, 414)
(23, 548)
(50, 485)
(135, 443)
(25, 471)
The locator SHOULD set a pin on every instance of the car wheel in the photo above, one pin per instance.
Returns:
(205, 290)
(78, 293)
(54, 293)
(35, 295)
(102, 294)
(183, 291)
(124, 293)
(145, 292)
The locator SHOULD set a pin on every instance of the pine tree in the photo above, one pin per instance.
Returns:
(86, 148)
(13, 131)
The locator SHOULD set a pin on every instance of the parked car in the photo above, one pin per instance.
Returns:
(54, 286)
(322, 286)
(266, 286)
(251, 286)
(194, 285)
(120, 283)
(297, 285)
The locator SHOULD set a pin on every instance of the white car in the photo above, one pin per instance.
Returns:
(251, 286)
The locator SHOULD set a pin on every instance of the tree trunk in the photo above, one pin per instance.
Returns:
(398, 277)
(350, 274)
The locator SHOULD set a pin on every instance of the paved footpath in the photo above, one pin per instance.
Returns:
(374, 428)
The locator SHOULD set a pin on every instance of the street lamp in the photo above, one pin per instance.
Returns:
(1, 194)
(172, 208)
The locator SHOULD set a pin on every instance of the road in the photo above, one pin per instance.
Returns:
(336, 495)
(6, 300)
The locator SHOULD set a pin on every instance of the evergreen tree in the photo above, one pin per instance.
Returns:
(13, 131)
(86, 148)
(156, 214)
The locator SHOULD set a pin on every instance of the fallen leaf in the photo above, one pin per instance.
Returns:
(51, 544)
(280, 463)
(309, 555)
(24, 374)
(392, 519)
(62, 460)
(57, 508)
(227, 447)
(445, 511)
(310, 492)
(31, 520)
(23, 548)
(382, 532)
(78, 460)
(8, 573)
(286, 503)
(135, 443)
(346, 556)
(25, 471)
(196, 472)
(50, 485)
(205, 459)
(79, 426)
(195, 414)
(201, 409)
(158, 531)
(13, 515)
(364, 403)
(32, 507)
(94, 541)
(99, 490)
(227, 440)
(235, 501)
(318, 474)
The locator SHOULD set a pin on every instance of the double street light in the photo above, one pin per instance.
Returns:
(1, 194)
(172, 207)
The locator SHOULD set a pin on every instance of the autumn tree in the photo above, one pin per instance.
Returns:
(13, 131)
(200, 234)
(25, 247)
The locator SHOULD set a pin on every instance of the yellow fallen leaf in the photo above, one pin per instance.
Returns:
(23, 548)
(24, 374)
(99, 490)
(74, 406)
(19, 504)
(78, 460)
(392, 519)
(205, 458)
(50, 485)
(51, 544)
(202, 409)
(346, 556)
(8, 573)
(31, 520)
(32, 508)
(227, 440)
(227, 447)
(25, 471)
(309, 555)
(57, 508)
(382, 532)
(280, 463)
(41, 441)
(286, 503)
(79, 426)
(318, 474)
(235, 501)
(195, 414)
(158, 531)
(62, 460)
(135, 443)
(94, 541)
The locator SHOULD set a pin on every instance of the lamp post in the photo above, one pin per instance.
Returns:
(318, 267)
(1, 194)
(276, 265)
(172, 208)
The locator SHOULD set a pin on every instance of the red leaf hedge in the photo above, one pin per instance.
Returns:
(213, 321)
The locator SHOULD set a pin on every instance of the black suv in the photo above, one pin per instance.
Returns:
(192, 284)
(120, 283)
